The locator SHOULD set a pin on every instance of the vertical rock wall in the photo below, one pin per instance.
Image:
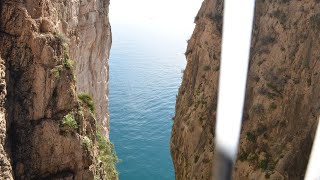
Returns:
(86, 24)
(53, 50)
(282, 98)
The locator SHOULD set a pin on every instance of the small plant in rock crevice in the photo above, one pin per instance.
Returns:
(252, 157)
(107, 154)
(69, 121)
(68, 62)
(243, 156)
(87, 100)
(60, 37)
(56, 71)
(86, 142)
(251, 136)
(263, 164)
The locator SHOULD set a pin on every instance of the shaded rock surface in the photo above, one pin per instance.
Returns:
(282, 97)
(45, 131)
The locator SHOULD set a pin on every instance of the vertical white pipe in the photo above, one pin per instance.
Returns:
(237, 29)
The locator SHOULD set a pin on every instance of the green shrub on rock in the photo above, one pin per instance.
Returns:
(69, 121)
(107, 154)
(87, 99)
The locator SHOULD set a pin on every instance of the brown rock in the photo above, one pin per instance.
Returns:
(282, 97)
(46, 26)
(43, 121)
(5, 160)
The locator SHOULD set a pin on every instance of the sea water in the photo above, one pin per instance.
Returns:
(145, 73)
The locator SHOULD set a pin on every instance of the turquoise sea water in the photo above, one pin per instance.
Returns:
(145, 74)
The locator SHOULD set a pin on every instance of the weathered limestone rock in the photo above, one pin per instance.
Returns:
(5, 160)
(44, 128)
(282, 98)
(86, 24)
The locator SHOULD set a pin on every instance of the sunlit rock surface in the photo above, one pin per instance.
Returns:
(51, 51)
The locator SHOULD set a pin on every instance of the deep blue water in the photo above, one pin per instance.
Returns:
(145, 74)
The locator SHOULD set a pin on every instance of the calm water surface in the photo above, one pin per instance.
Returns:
(145, 74)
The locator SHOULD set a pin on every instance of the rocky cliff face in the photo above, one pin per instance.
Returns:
(282, 99)
(5, 161)
(50, 51)
(87, 26)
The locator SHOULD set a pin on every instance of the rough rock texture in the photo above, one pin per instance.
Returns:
(90, 39)
(5, 161)
(282, 99)
(47, 132)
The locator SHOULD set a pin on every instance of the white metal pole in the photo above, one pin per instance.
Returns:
(237, 29)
